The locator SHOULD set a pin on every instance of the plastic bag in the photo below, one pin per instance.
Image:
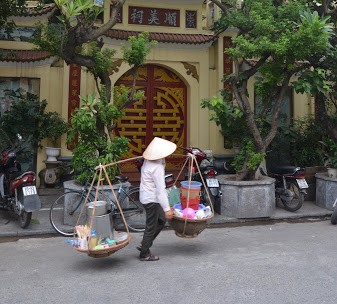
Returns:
(173, 195)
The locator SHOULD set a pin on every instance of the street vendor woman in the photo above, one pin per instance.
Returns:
(153, 194)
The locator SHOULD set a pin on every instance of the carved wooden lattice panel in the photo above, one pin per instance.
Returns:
(162, 111)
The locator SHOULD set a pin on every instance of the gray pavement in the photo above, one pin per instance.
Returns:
(279, 263)
(40, 225)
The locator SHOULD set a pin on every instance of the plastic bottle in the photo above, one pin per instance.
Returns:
(93, 240)
(72, 242)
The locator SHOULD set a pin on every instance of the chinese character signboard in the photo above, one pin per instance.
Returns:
(227, 61)
(191, 19)
(154, 16)
(74, 91)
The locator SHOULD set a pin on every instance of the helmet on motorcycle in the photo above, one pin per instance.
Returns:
(159, 148)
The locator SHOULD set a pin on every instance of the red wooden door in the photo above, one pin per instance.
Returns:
(161, 112)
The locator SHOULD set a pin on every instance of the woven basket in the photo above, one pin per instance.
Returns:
(188, 228)
(101, 253)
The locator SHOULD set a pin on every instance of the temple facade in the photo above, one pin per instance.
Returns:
(186, 65)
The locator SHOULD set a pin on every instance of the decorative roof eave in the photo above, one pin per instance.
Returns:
(165, 37)
(7, 55)
(33, 11)
(171, 38)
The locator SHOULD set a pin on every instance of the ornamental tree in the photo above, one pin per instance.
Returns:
(75, 36)
(273, 43)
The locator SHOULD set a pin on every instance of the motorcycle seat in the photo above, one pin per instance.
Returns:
(19, 174)
(284, 170)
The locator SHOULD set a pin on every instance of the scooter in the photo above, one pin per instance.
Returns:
(290, 185)
(209, 174)
(18, 192)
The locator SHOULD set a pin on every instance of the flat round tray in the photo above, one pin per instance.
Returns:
(104, 252)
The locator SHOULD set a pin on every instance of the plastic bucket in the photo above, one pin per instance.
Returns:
(103, 224)
(190, 194)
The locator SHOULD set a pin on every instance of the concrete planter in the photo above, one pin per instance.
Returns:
(309, 173)
(326, 190)
(247, 199)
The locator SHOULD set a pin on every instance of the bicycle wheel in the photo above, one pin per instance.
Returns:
(297, 198)
(64, 212)
(133, 210)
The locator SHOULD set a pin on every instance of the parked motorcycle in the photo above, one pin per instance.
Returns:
(209, 174)
(290, 185)
(17, 189)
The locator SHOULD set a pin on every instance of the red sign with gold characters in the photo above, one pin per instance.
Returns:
(154, 16)
(74, 91)
(227, 61)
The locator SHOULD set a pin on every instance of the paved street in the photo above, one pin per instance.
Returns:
(280, 263)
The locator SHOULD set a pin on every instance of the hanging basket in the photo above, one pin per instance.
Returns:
(188, 228)
(105, 252)
(85, 237)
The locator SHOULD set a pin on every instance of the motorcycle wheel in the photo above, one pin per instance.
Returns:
(298, 198)
(204, 198)
(334, 216)
(25, 217)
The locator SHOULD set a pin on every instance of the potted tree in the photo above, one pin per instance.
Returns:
(52, 127)
(261, 57)
(326, 183)
(330, 153)
(245, 194)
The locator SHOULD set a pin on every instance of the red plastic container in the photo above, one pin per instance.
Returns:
(190, 190)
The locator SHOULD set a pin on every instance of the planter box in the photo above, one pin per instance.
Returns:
(247, 199)
(326, 190)
(309, 173)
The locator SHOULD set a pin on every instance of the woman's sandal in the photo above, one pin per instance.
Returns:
(150, 257)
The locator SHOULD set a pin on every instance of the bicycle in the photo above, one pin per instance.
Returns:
(65, 211)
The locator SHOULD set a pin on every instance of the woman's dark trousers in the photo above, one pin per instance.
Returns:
(155, 222)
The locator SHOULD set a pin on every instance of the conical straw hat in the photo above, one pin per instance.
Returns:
(159, 148)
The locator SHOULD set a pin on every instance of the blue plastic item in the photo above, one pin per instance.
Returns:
(177, 206)
(201, 207)
(72, 242)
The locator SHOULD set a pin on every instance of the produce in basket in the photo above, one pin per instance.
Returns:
(202, 212)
